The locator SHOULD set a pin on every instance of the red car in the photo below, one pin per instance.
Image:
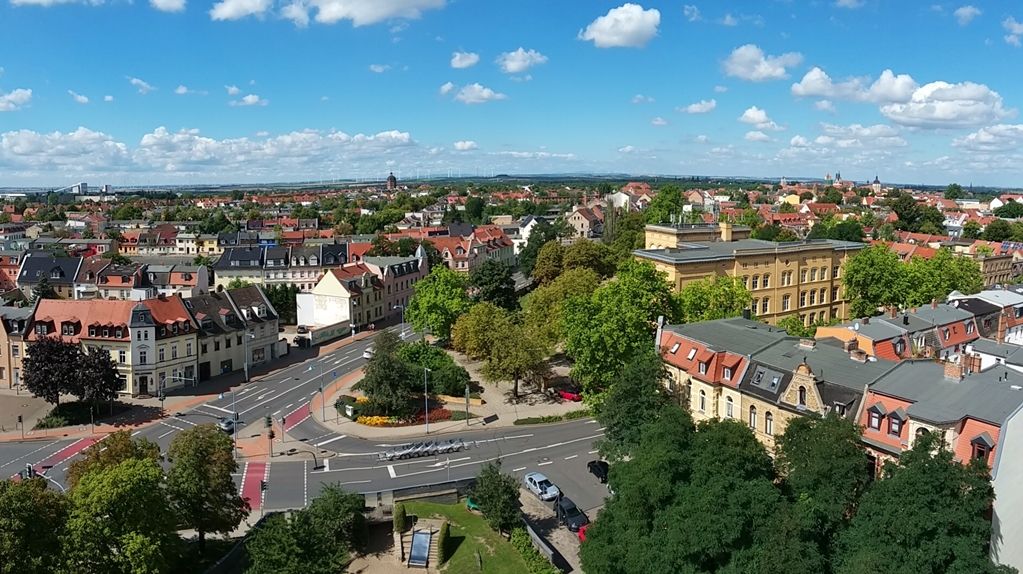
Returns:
(582, 533)
(570, 395)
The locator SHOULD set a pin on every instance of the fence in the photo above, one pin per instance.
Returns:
(539, 543)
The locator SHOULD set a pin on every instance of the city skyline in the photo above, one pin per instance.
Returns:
(240, 91)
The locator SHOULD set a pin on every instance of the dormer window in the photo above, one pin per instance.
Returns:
(802, 396)
(92, 331)
(174, 329)
(163, 331)
(946, 332)
(692, 353)
(969, 328)
(67, 329)
(703, 368)
(141, 317)
(674, 348)
(118, 332)
(106, 332)
(894, 426)
(41, 328)
(727, 374)
(261, 311)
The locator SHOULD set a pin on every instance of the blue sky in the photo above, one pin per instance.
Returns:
(187, 91)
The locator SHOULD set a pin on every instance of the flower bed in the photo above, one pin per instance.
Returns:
(436, 415)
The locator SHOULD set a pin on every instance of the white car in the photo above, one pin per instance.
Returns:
(541, 486)
(367, 354)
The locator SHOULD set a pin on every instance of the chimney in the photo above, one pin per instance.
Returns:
(905, 319)
(726, 231)
(851, 345)
(859, 355)
(746, 314)
(953, 371)
(934, 303)
(807, 343)
(893, 312)
(865, 320)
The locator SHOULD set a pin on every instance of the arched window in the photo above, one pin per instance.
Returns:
(813, 297)
(728, 407)
(767, 281)
(802, 276)
(824, 296)
(703, 401)
(802, 396)
(824, 273)
(753, 417)
(769, 423)
(813, 274)
(756, 283)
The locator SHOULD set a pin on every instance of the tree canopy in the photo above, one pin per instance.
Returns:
(440, 298)
(492, 282)
(497, 495)
(712, 298)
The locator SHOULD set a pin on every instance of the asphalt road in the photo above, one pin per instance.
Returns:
(560, 451)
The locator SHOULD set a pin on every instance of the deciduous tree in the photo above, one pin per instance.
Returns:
(543, 305)
(666, 204)
(586, 254)
(49, 368)
(539, 235)
(516, 354)
(43, 290)
(475, 332)
(497, 495)
(492, 282)
(634, 400)
(873, 278)
(111, 451)
(710, 299)
(31, 523)
(971, 230)
(997, 230)
(548, 263)
(440, 298)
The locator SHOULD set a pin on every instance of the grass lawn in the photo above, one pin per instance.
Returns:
(470, 533)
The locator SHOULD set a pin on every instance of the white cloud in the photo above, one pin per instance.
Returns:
(749, 63)
(824, 106)
(108, 98)
(799, 141)
(520, 60)
(475, 94)
(850, 3)
(182, 90)
(758, 118)
(360, 12)
(262, 134)
(943, 105)
(641, 99)
(701, 107)
(1014, 29)
(446, 88)
(702, 139)
(249, 100)
(628, 26)
(888, 88)
(720, 89)
(467, 145)
(462, 60)
(692, 13)
(232, 90)
(14, 100)
(238, 9)
(996, 138)
(967, 13)
(756, 136)
(78, 97)
(143, 87)
(659, 122)
(728, 20)
(168, 5)
(379, 68)
(324, 98)
(526, 78)
(626, 149)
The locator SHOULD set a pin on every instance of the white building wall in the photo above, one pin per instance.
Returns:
(1007, 478)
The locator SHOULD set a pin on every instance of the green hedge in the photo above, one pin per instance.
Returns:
(460, 415)
(579, 414)
(442, 543)
(399, 518)
(540, 420)
(535, 562)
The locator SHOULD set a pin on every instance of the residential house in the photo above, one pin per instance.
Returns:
(15, 321)
(178, 280)
(1009, 327)
(10, 261)
(461, 254)
(398, 275)
(585, 222)
(86, 285)
(261, 325)
(220, 325)
(351, 295)
(499, 245)
(242, 263)
(59, 272)
(124, 282)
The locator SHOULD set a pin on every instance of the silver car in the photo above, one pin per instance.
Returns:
(450, 446)
(541, 486)
(396, 453)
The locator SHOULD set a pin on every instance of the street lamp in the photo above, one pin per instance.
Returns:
(245, 359)
(426, 399)
(323, 398)
(234, 422)
(402, 307)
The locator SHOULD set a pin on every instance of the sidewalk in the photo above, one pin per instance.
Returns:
(147, 411)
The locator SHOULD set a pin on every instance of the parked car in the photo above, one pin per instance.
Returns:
(598, 468)
(450, 446)
(367, 354)
(582, 533)
(302, 330)
(541, 486)
(396, 453)
(570, 395)
(570, 515)
(226, 425)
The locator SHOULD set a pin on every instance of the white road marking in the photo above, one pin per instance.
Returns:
(446, 462)
(218, 408)
(136, 432)
(305, 483)
(357, 482)
(590, 422)
(330, 440)
(571, 457)
(546, 463)
(518, 469)
(30, 454)
(164, 434)
(259, 404)
(390, 471)
(290, 405)
(277, 413)
(592, 452)
(245, 471)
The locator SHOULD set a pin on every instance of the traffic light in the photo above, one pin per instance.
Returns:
(271, 434)
(19, 419)
(268, 422)
(283, 419)
(262, 486)
(29, 471)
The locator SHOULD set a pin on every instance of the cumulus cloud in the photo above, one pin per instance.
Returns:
(78, 97)
(360, 12)
(888, 88)
(168, 5)
(182, 90)
(249, 100)
(849, 3)
(758, 118)
(14, 100)
(692, 13)
(628, 26)
(626, 149)
(232, 90)
(108, 98)
(751, 64)
(446, 88)
(702, 139)
(659, 122)
(238, 9)
(641, 99)
(943, 105)
(996, 138)
(825, 106)
(701, 107)
(473, 94)
(462, 60)
(467, 145)
(520, 60)
(799, 141)
(379, 68)
(720, 89)
(728, 20)
(1014, 29)
(756, 136)
(143, 87)
(966, 14)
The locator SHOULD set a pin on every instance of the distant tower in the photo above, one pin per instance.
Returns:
(392, 182)
(838, 177)
(827, 180)
(876, 186)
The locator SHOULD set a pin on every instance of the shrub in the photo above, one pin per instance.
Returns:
(535, 562)
(399, 518)
(460, 415)
(579, 414)
(65, 414)
(442, 542)
(539, 420)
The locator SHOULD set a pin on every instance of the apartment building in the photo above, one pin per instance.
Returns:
(351, 295)
(799, 277)
(243, 263)
(12, 344)
(398, 275)
(670, 236)
(59, 272)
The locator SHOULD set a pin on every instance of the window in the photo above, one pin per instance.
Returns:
(765, 305)
(122, 357)
(834, 293)
(813, 274)
(227, 343)
(767, 281)
(92, 331)
(68, 329)
(802, 396)
(703, 368)
(188, 349)
(674, 348)
(786, 302)
(874, 421)
(946, 332)
(727, 374)
(980, 450)
(14, 351)
(969, 327)
(216, 345)
(769, 423)
(138, 335)
(802, 276)
(142, 357)
(802, 299)
(163, 331)
(755, 306)
(692, 353)
(840, 409)
(203, 348)
(894, 426)
(756, 283)
(703, 401)
(824, 273)
(40, 329)
(753, 418)
(834, 272)
(161, 353)
(745, 280)
(145, 335)
(174, 351)
(813, 297)
(728, 407)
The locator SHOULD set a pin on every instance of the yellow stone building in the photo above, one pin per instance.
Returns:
(798, 277)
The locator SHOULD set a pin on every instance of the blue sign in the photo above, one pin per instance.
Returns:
(335, 374)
